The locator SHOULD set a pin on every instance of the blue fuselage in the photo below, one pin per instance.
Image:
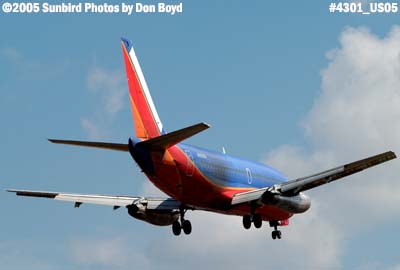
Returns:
(233, 172)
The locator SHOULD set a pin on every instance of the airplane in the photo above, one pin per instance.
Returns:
(195, 178)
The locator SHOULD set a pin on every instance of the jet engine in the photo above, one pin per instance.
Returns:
(159, 217)
(295, 204)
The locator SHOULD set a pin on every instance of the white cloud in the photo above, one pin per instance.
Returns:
(11, 54)
(358, 108)
(110, 86)
(30, 69)
(358, 114)
(395, 267)
(94, 132)
(22, 255)
(106, 253)
(150, 190)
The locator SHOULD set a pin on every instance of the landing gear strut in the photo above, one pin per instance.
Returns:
(276, 234)
(184, 224)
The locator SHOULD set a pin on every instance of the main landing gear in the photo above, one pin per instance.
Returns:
(184, 224)
(256, 219)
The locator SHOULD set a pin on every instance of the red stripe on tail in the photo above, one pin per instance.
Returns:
(145, 124)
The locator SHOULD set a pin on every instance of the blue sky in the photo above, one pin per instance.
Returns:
(285, 83)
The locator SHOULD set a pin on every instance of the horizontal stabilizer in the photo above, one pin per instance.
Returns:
(165, 141)
(102, 145)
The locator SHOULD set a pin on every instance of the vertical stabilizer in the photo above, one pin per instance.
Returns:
(146, 120)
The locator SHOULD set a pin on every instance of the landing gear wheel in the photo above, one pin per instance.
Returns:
(257, 221)
(276, 235)
(176, 228)
(187, 227)
(246, 222)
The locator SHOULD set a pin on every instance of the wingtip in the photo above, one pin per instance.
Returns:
(54, 141)
(206, 125)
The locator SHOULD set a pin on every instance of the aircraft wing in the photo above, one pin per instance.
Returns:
(115, 201)
(293, 187)
(301, 184)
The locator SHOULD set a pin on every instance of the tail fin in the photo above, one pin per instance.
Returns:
(146, 120)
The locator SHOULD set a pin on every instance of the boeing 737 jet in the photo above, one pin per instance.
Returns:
(198, 179)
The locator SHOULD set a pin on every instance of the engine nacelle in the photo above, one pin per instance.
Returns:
(155, 217)
(295, 204)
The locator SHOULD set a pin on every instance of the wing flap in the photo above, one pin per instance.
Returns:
(97, 199)
(248, 196)
(161, 203)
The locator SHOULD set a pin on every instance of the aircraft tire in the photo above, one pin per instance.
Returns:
(187, 227)
(257, 221)
(176, 228)
(246, 222)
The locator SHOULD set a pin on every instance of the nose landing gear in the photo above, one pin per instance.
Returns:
(276, 234)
